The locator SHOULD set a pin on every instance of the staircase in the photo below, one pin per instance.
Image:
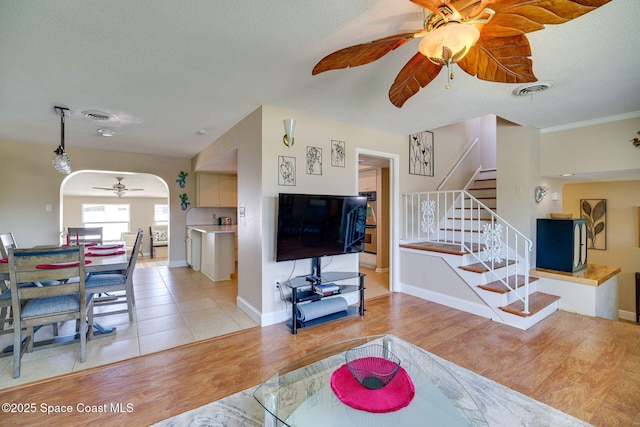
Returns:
(492, 257)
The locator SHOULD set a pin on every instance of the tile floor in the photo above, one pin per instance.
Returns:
(173, 307)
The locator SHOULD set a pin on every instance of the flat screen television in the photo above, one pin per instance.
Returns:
(313, 226)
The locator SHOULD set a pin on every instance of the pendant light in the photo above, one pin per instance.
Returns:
(60, 158)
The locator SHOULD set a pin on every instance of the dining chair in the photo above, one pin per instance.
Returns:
(42, 305)
(7, 240)
(80, 235)
(129, 240)
(117, 285)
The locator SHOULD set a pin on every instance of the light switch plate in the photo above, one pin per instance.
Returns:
(241, 212)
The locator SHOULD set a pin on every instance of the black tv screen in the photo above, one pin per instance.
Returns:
(311, 225)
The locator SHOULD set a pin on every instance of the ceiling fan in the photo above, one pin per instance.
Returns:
(486, 38)
(120, 189)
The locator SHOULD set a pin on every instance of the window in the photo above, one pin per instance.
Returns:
(114, 219)
(161, 214)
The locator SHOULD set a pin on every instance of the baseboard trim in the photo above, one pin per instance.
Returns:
(449, 301)
(627, 315)
(249, 310)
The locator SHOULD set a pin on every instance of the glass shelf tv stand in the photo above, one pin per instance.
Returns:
(303, 291)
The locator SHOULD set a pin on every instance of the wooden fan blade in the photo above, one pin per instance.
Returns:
(362, 54)
(432, 5)
(519, 17)
(470, 8)
(416, 74)
(504, 60)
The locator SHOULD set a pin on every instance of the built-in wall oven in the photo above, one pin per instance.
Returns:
(371, 238)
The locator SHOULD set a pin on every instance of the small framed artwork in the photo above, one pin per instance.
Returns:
(421, 153)
(338, 153)
(314, 161)
(286, 170)
(595, 212)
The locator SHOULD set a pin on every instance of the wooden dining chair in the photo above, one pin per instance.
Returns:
(6, 317)
(42, 305)
(6, 241)
(117, 287)
(84, 235)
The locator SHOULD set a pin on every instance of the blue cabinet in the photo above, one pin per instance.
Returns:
(561, 244)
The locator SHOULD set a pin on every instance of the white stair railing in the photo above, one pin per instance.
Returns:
(458, 218)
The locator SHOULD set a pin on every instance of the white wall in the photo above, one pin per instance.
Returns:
(598, 149)
(315, 132)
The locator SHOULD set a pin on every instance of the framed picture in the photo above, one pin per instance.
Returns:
(314, 161)
(286, 170)
(421, 153)
(338, 153)
(595, 212)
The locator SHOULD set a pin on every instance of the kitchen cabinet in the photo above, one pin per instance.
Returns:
(561, 244)
(367, 180)
(212, 250)
(216, 190)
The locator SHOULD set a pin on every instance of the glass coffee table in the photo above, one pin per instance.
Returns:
(300, 394)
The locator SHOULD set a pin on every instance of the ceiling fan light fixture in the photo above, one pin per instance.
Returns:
(449, 43)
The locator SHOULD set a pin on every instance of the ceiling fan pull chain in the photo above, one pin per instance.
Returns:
(449, 78)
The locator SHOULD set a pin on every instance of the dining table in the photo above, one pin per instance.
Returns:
(99, 258)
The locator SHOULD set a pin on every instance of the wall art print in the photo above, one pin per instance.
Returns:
(338, 153)
(421, 153)
(286, 170)
(314, 161)
(595, 212)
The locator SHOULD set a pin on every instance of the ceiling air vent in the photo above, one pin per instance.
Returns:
(532, 89)
(97, 115)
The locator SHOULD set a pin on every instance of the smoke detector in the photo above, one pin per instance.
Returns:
(532, 89)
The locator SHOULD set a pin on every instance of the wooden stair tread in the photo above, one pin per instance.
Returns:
(499, 287)
(459, 229)
(480, 268)
(537, 302)
(445, 248)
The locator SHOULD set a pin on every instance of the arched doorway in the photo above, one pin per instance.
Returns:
(94, 198)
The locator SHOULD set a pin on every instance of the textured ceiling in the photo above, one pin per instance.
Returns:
(165, 69)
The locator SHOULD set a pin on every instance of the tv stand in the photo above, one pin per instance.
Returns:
(303, 292)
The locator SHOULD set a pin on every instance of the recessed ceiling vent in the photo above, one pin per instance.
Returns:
(97, 115)
(532, 89)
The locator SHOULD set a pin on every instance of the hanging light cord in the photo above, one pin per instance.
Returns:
(62, 112)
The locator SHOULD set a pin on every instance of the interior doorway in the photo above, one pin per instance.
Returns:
(374, 182)
(94, 198)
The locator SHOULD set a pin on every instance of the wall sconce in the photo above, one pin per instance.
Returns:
(289, 126)
(540, 192)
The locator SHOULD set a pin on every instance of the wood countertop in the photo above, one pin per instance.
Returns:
(593, 275)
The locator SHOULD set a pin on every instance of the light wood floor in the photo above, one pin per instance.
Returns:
(587, 367)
